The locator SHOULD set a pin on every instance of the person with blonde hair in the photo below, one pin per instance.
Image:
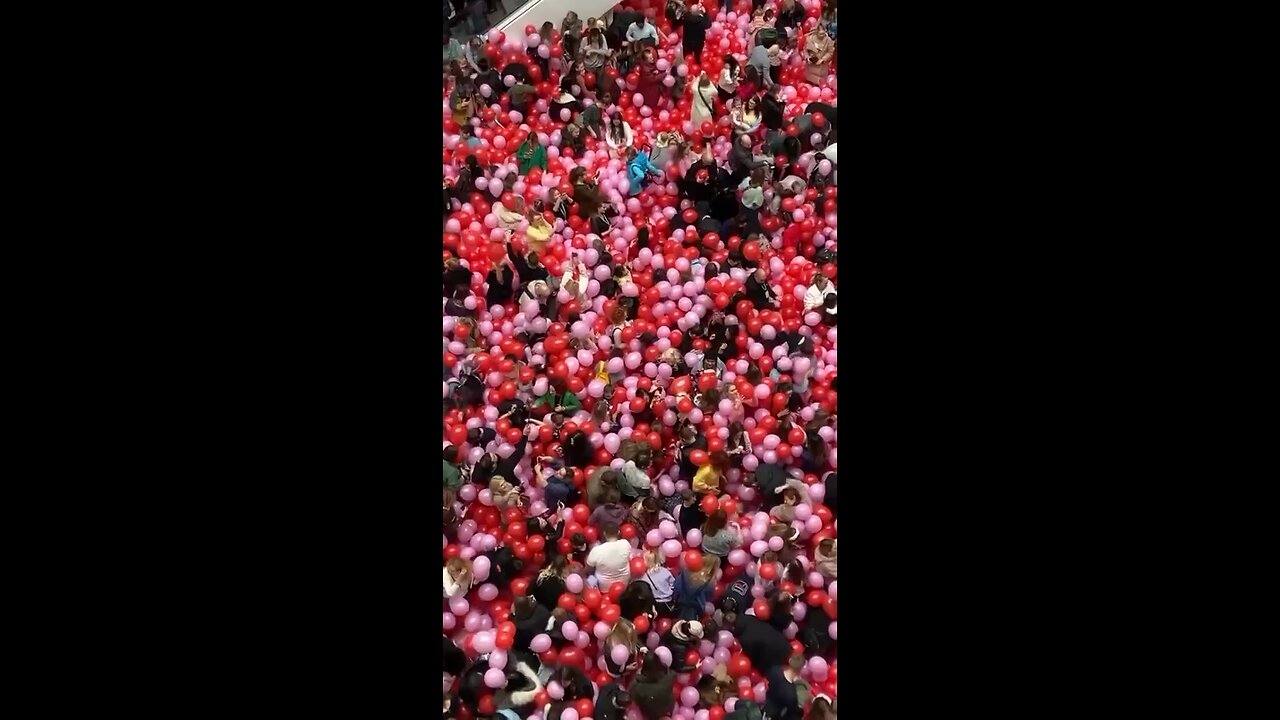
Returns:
(663, 582)
(457, 577)
(693, 590)
(623, 634)
(504, 494)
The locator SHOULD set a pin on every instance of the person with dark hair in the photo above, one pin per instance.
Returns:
(638, 600)
(612, 703)
(454, 659)
(577, 450)
(490, 464)
(771, 108)
(612, 511)
(452, 472)
(549, 584)
(576, 684)
(695, 32)
(481, 436)
(531, 619)
(653, 691)
(611, 559)
(718, 537)
(690, 513)
(780, 700)
(764, 645)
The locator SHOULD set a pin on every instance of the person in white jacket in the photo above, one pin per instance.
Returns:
(817, 293)
(575, 279)
(457, 578)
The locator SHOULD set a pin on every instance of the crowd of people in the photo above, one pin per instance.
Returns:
(639, 344)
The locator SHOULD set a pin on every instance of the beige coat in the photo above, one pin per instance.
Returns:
(826, 564)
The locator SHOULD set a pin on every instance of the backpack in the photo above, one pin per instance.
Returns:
(745, 710)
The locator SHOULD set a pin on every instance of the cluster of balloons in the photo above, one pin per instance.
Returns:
(679, 296)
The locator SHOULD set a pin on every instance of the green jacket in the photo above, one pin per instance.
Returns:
(537, 159)
(452, 476)
(568, 400)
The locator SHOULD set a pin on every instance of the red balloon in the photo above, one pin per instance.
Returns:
(693, 559)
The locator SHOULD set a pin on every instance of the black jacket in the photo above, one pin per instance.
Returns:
(790, 18)
(604, 709)
(454, 659)
(548, 592)
(771, 112)
(455, 278)
(655, 698)
(691, 517)
(500, 292)
(780, 700)
(759, 293)
(695, 31)
(527, 273)
(531, 626)
(762, 643)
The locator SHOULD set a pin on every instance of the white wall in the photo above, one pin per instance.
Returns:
(537, 12)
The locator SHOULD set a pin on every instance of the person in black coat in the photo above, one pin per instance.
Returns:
(455, 661)
(455, 276)
(771, 108)
(758, 290)
(576, 684)
(519, 71)
(491, 464)
(789, 17)
(504, 565)
(528, 267)
(489, 76)
(780, 699)
(695, 32)
(481, 436)
(612, 702)
(577, 449)
(502, 285)
(549, 585)
(530, 618)
(762, 643)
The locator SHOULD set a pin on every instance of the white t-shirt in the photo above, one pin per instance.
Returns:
(612, 562)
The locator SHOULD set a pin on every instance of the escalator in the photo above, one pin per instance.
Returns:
(536, 12)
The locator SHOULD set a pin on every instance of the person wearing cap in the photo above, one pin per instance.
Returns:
(683, 635)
